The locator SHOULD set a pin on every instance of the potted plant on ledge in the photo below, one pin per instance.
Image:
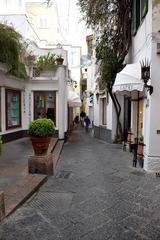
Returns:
(59, 60)
(45, 65)
(41, 131)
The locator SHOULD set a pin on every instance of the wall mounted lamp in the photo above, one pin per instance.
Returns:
(97, 96)
(72, 82)
(145, 75)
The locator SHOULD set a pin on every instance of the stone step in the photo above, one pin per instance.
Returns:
(21, 191)
(56, 153)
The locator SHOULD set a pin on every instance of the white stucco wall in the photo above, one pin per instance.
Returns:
(152, 151)
(27, 88)
(144, 45)
(62, 103)
(96, 114)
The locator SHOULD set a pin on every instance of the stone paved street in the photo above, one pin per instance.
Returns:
(95, 195)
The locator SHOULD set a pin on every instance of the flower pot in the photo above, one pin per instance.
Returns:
(40, 144)
(129, 137)
(59, 61)
(140, 150)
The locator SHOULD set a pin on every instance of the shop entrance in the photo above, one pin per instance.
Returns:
(45, 105)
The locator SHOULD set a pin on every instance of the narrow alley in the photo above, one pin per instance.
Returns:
(95, 194)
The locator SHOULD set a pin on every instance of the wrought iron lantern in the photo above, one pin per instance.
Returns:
(97, 96)
(75, 84)
(145, 75)
(72, 82)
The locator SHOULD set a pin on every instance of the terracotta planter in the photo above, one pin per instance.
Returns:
(40, 144)
(140, 150)
(129, 137)
(59, 61)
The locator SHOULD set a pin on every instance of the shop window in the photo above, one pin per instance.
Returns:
(45, 105)
(139, 11)
(13, 108)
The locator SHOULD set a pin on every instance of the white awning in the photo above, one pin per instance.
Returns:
(129, 79)
(73, 99)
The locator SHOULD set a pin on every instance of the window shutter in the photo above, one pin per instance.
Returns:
(134, 17)
(144, 8)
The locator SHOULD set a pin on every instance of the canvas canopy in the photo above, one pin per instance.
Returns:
(129, 79)
(73, 99)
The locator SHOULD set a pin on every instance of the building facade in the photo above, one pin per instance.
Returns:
(46, 93)
(143, 111)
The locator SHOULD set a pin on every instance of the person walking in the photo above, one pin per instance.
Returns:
(87, 123)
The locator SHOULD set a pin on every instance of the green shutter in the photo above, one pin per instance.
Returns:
(144, 8)
(134, 24)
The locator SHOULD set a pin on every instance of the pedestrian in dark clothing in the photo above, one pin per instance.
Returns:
(87, 123)
(82, 116)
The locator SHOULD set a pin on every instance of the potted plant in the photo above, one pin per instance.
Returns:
(45, 62)
(140, 146)
(59, 60)
(129, 136)
(41, 131)
(140, 149)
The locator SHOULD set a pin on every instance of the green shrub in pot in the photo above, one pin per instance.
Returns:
(41, 127)
(41, 131)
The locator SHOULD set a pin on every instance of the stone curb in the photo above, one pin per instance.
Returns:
(21, 191)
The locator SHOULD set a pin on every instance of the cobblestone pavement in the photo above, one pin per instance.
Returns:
(95, 195)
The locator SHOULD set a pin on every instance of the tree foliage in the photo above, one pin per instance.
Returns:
(111, 21)
(10, 51)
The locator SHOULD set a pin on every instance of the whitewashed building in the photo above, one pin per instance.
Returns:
(98, 105)
(142, 113)
(48, 91)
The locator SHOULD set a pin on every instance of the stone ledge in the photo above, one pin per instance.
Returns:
(56, 153)
(21, 191)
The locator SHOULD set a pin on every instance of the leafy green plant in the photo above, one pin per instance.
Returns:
(10, 52)
(1, 142)
(46, 61)
(41, 127)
